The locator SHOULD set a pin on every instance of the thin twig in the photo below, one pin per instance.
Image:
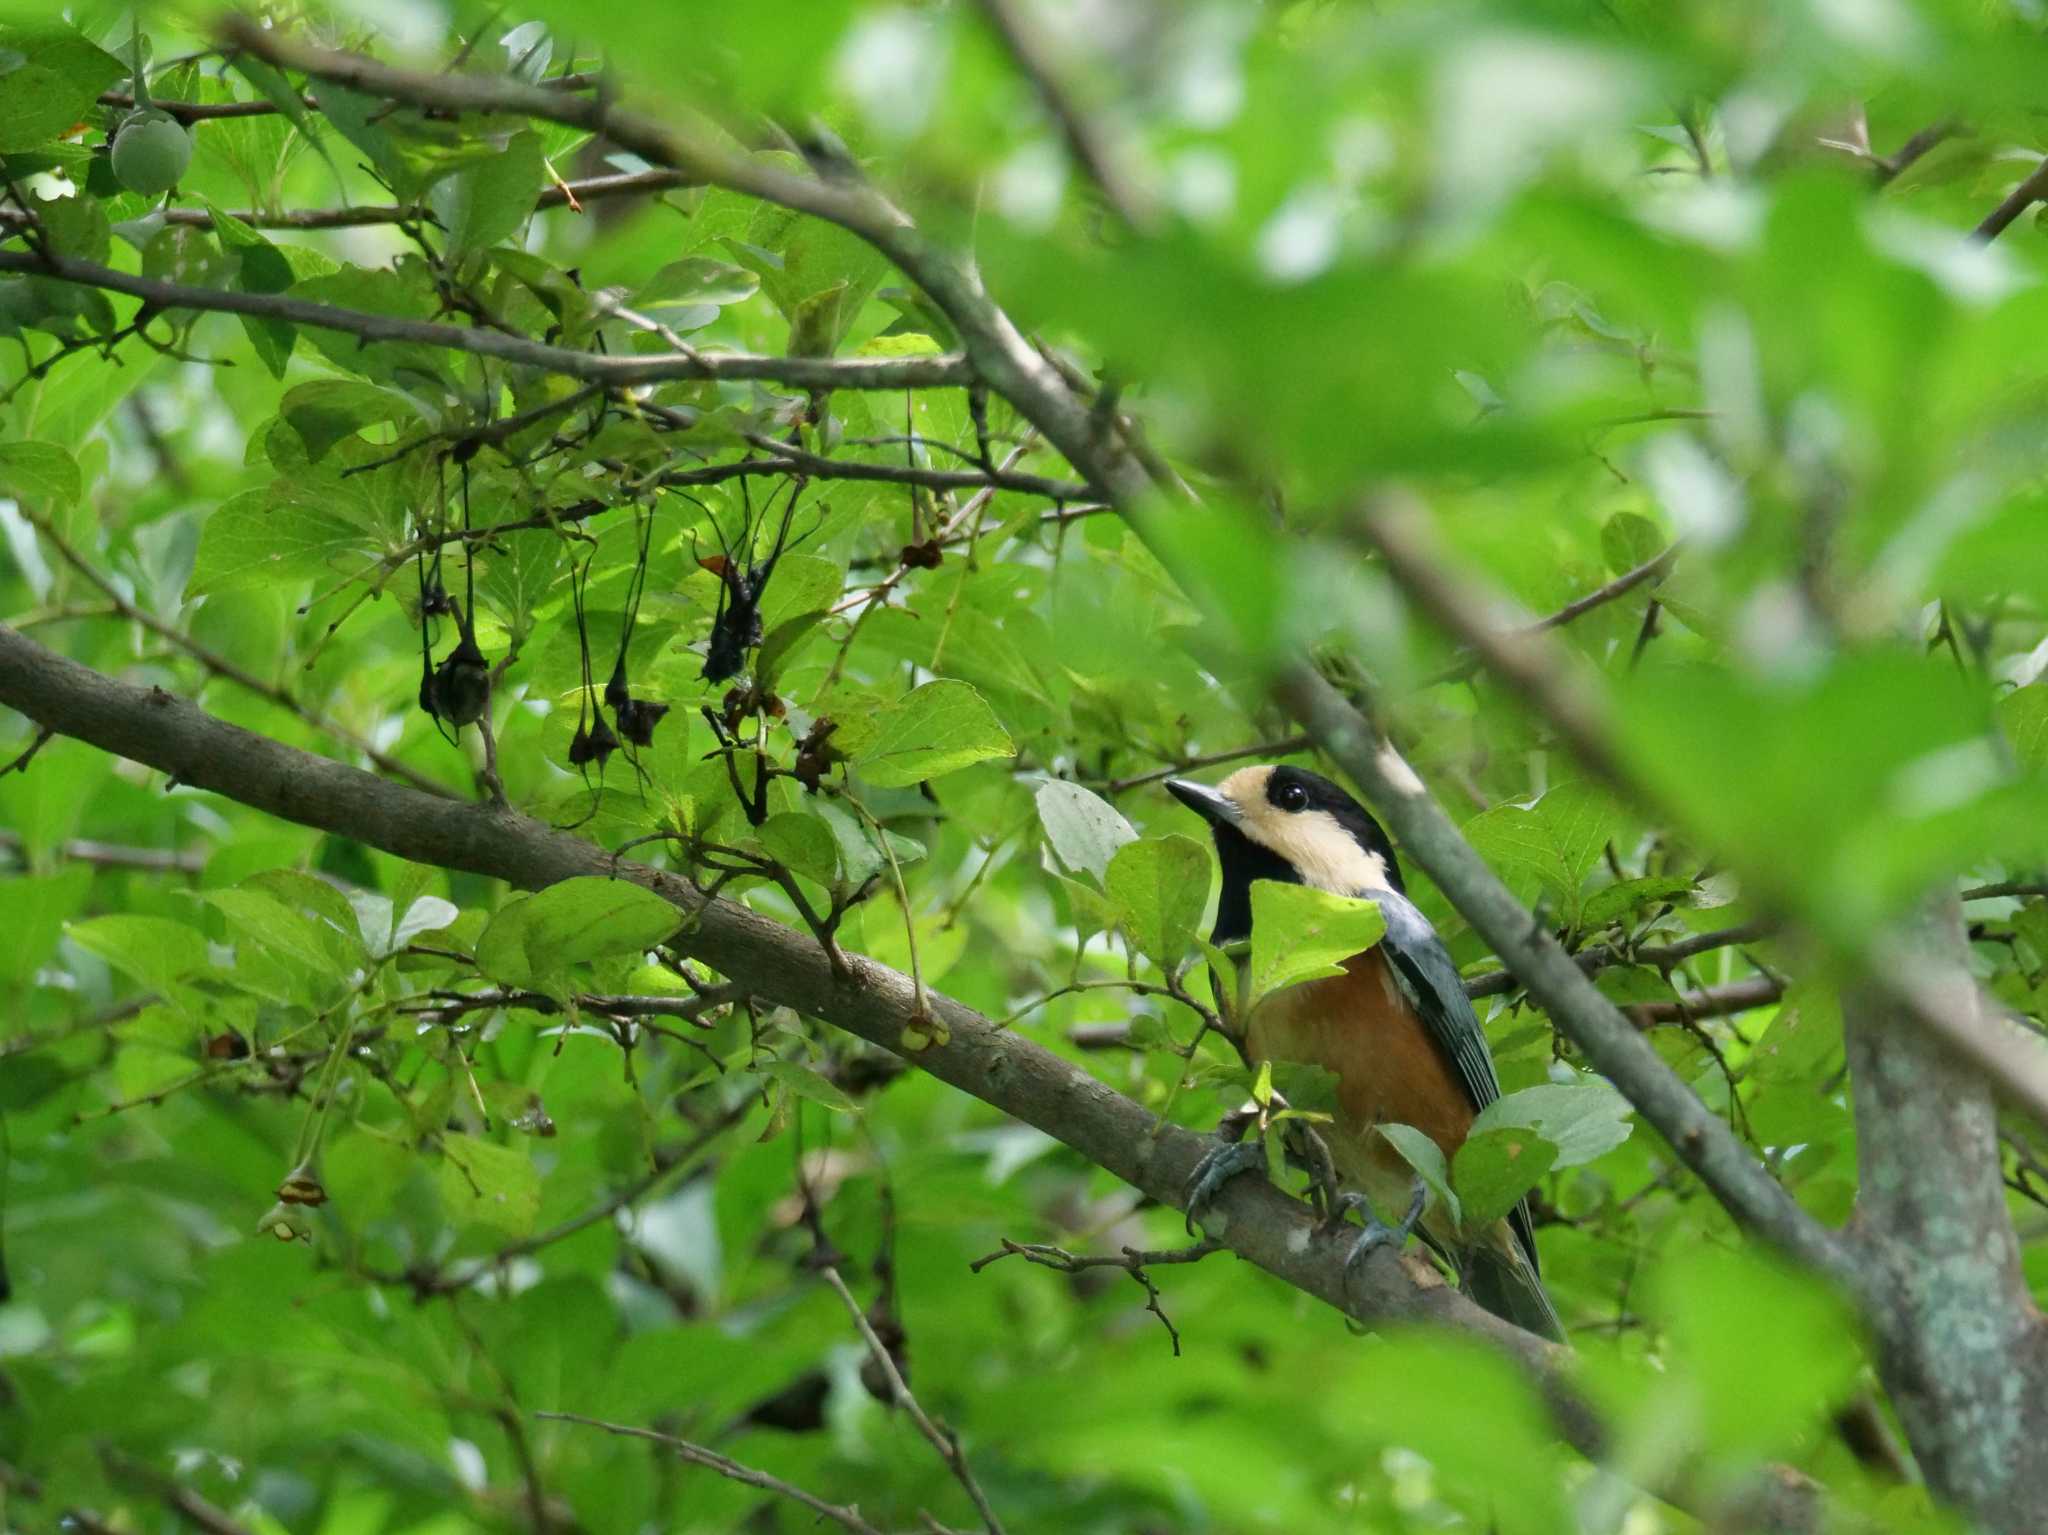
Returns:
(1661, 957)
(1132, 1261)
(185, 1503)
(1889, 169)
(108, 855)
(2018, 201)
(843, 1515)
(667, 1164)
(941, 1439)
(1285, 746)
(44, 735)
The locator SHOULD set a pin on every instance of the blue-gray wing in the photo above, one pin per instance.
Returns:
(1425, 972)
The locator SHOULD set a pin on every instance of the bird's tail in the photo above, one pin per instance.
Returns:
(1500, 1277)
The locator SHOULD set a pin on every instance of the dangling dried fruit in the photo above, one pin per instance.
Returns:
(287, 1223)
(302, 1186)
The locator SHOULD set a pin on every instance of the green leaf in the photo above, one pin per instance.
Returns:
(1300, 934)
(251, 540)
(2022, 715)
(39, 473)
(806, 1083)
(486, 202)
(697, 280)
(1624, 898)
(332, 410)
(501, 946)
(260, 267)
(1159, 887)
(1262, 1085)
(1793, 1366)
(1629, 540)
(1307, 1089)
(1555, 843)
(49, 78)
(1427, 1158)
(1084, 829)
(1495, 1168)
(519, 581)
(37, 907)
(75, 226)
(860, 853)
(284, 96)
(154, 951)
(937, 729)
(804, 844)
(1582, 1121)
(575, 920)
(283, 931)
(483, 1184)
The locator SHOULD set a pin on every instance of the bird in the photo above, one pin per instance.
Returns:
(1396, 1028)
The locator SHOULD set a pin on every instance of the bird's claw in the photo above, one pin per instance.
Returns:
(1341, 1205)
(1378, 1233)
(1222, 1162)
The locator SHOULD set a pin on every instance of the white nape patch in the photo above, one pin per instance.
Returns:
(1299, 1238)
(1321, 851)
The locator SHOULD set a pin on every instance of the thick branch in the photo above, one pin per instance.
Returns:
(1614, 1046)
(775, 963)
(1561, 694)
(1086, 142)
(220, 666)
(1962, 1351)
(798, 372)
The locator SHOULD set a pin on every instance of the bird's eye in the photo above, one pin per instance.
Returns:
(1291, 796)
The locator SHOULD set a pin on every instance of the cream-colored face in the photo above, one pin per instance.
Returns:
(1323, 853)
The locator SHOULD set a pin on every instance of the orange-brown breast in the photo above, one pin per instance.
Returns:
(1388, 1067)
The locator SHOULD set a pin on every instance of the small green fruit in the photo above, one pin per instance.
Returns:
(151, 152)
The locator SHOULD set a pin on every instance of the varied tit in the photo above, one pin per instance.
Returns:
(1396, 1029)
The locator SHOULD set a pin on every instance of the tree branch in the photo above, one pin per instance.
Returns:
(996, 351)
(108, 855)
(1659, 957)
(361, 215)
(936, 1435)
(2018, 201)
(1963, 1357)
(775, 963)
(697, 1455)
(219, 665)
(1091, 149)
(821, 373)
(1614, 1046)
(1560, 693)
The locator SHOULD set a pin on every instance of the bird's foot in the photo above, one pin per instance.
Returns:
(1231, 1155)
(1343, 1204)
(1378, 1233)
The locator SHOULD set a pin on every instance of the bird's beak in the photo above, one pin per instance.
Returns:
(1216, 809)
